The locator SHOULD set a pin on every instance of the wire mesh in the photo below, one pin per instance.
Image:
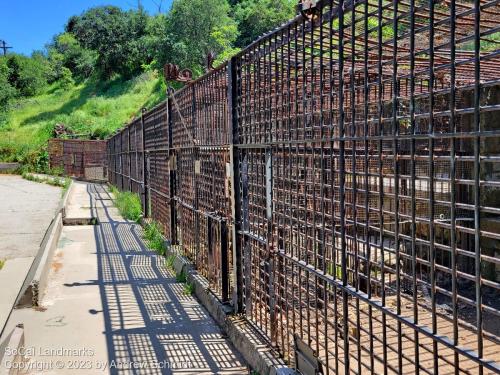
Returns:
(340, 175)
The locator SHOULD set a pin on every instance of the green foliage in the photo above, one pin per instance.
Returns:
(170, 262)
(42, 162)
(66, 80)
(181, 277)
(189, 288)
(256, 17)
(334, 270)
(2, 263)
(7, 91)
(115, 35)
(129, 204)
(65, 52)
(84, 81)
(28, 75)
(92, 109)
(197, 27)
(49, 180)
(153, 235)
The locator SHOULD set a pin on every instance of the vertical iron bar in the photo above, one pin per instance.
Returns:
(172, 173)
(129, 160)
(233, 88)
(367, 186)
(224, 262)
(453, 129)
(413, 185)
(145, 182)
(395, 130)
(477, 167)
(345, 310)
(432, 251)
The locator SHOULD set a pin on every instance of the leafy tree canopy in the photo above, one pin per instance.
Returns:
(256, 17)
(198, 27)
(115, 35)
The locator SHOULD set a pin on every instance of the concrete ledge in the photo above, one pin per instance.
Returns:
(242, 335)
(32, 292)
(9, 167)
(65, 199)
(9, 350)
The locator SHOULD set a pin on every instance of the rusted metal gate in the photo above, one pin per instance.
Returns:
(84, 159)
(337, 183)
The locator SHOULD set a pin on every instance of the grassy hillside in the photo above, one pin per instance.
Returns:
(93, 109)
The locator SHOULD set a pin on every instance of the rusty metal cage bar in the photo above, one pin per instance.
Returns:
(337, 182)
(85, 159)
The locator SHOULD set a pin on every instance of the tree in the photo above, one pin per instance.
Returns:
(28, 75)
(116, 36)
(197, 27)
(7, 92)
(256, 17)
(66, 52)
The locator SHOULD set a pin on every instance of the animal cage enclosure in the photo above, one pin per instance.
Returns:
(338, 183)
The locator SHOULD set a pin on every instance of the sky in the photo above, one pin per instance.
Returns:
(28, 25)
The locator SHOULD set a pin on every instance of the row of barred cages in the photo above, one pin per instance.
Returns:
(125, 158)
(200, 114)
(84, 159)
(367, 141)
(200, 139)
(159, 190)
(203, 206)
(205, 240)
(294, 85)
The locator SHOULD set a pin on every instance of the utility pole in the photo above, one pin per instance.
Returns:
(4, 47)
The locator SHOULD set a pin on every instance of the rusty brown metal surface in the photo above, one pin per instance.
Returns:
(85, 159)
(340, 176)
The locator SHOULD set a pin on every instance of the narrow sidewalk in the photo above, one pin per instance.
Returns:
(116, 307)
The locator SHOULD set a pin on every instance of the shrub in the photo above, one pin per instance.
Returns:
(129, 204)
(28, 75)
(189, 289)
(154, 237)
(181, 277)
(170, 262)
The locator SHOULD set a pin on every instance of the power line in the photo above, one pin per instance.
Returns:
(4, 47)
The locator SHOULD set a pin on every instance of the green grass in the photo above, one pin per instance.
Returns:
(153, 235)
(2, 263)
(181, 277)
(93, 108)
(50, 180)
(170, 262)
(129, 204)
(189, 289)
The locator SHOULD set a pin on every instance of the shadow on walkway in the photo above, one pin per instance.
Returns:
(151, 325)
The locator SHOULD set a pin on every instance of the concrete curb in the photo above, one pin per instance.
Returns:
(32, 295)
(13, 342)
(242, 335)
(9, 167)
(36, 281)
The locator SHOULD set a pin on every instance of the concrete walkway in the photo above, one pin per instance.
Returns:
(113, 307)
(26, 211)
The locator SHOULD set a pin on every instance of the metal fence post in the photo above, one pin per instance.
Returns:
(129, 160)
(232, 93)
(144, 167)
(172, 177)
(224, 261)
